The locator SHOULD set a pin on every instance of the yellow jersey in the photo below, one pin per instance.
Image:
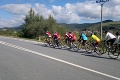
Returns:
(94, 37)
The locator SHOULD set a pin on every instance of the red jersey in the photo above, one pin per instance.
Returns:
(48, 34)
(56, 36)
(72, 37)
(66, 36)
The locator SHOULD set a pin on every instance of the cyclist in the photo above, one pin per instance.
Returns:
(72, 38)
(96, 40)
(111, 38)
(48, 35)
(56, 37)
(83, 37)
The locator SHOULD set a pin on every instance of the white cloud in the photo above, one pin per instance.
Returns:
(65, 14)
(87, 10)
(70, 13)
(42, 10)
(114, 2)
(57, 10)
(17, 9)
(12, 23)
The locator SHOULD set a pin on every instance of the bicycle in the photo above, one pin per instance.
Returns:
(104, 47)
(91, 48)
(47, 42)
(113, 51)
(80, 45)
(72, 45)
(56, 43)
(65, 43)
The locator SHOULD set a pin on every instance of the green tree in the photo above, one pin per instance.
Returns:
(36, 25)
(51, 24)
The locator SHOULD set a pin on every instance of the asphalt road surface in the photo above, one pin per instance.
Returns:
(30, 60)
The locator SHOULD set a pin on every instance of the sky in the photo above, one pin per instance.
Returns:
(13, 12)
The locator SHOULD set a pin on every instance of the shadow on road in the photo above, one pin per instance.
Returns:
(98, 56)
(82, 52)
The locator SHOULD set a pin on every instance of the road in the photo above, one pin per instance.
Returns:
(30, 60)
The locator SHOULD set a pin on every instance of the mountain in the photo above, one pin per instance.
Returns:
(85, 25)
(12, 28)
(106, 21)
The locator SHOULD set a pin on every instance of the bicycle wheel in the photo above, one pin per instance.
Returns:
(103, 47)
(113, 52)
(89, 48)
(59, 45)
(46, 43)
(79, 45)
(63, 44)
(74, 46)
(99, 49)
(53, 44)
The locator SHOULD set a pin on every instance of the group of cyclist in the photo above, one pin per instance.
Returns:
(70, 37)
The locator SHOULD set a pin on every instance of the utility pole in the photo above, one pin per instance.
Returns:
(102, 3)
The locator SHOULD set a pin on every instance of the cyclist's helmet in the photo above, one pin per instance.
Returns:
(91, 33)
(55, 32)
(95, 33)
(105, 31)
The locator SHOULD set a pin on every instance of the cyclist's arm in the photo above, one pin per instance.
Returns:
(117, 40)
(90, 39)
(106, 36)
(79, 38)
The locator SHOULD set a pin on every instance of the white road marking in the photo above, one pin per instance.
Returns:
(25, 40)
(56, 59)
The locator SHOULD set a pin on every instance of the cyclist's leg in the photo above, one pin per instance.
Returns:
(74, 45)
(95, 46)
(112, 41)
(98, 48)
(48, 40)
(84, 42)
(54, 42)
(89, 47)
(109, 42)
(70, 43)
(66, 41)
(51, 41)
(96, 43)
(57, 42)
(93, 43)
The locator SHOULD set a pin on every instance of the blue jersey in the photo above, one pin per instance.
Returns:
(84, 37)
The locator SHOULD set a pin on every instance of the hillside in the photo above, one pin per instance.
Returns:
(107, 25)
(115, 26)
